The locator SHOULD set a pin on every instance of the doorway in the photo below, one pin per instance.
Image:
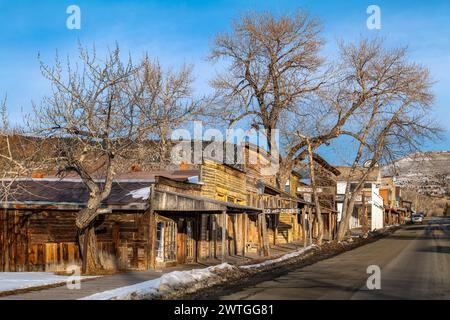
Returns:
(186, 241)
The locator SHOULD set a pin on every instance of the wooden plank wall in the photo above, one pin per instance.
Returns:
(13, 241)
(47, 240)
(210, 237)
(220, 179)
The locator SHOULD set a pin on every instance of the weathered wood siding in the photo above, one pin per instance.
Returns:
(47, 240)
(223, 183)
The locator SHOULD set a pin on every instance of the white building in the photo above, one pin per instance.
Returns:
(369, 203)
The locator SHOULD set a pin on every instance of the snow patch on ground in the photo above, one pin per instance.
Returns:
(143, 193)
(280, 259)
(163, 285)
(191, 279)
(10, 281)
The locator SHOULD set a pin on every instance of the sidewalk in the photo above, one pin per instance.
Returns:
(94, 286)
(276, 251)
(130, 278)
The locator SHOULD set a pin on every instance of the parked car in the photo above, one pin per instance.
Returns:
(417, 218)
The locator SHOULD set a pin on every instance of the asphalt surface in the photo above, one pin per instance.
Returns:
(414, 263)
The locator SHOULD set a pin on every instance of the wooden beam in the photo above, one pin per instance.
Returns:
(151, 254)
(224, 233)
(305, 238)
(234, 222)
(198, 236)
(265, 237)
(214, 232)
(310, 225)
(244, 234)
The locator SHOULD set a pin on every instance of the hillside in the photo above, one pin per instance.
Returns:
(428, 173)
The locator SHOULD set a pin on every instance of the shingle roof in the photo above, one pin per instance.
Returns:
(74, 192)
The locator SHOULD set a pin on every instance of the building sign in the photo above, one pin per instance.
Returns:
(281, 210)
(340, 198)
(308, 190)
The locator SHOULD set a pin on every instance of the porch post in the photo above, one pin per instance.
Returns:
(304, 226)
(264, 236)
(244, 234)
(310, 223)
(151, 255)
(224, 227)
(330, 215)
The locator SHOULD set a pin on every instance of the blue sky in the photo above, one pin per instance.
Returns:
(180, 32)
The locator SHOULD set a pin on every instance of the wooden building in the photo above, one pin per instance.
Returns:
(396, 210)
(326, 183)
(368, 213)
(284, 211)
(142, 225)
(154, 219)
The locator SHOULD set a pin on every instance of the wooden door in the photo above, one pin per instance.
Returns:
(181, 242)
(190, 241)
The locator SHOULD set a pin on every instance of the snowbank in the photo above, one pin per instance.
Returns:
(280, 259)
(10, 281)
(163, 285)
(191, 279)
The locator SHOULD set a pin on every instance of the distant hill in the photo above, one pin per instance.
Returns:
(425, 172)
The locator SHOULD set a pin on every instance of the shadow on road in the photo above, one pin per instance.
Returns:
(438, 249)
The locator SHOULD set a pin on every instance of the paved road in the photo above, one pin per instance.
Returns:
(414, 263)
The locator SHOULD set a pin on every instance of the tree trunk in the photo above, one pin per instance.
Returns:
(89, 251)
(88, 242)
(315, 196)
(345, 220)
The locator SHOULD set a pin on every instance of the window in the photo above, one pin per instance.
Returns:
(287, 187)
(160, 241)
(166, 233)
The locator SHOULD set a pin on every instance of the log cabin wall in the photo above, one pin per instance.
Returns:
(47, 240)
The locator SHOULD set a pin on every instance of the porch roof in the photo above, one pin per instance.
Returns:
(69, 195)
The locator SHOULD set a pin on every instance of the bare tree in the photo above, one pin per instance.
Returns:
(167, 101)
(272, 67)
(395, 116)
(99, 113)
(20, 155)
(93, 120)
